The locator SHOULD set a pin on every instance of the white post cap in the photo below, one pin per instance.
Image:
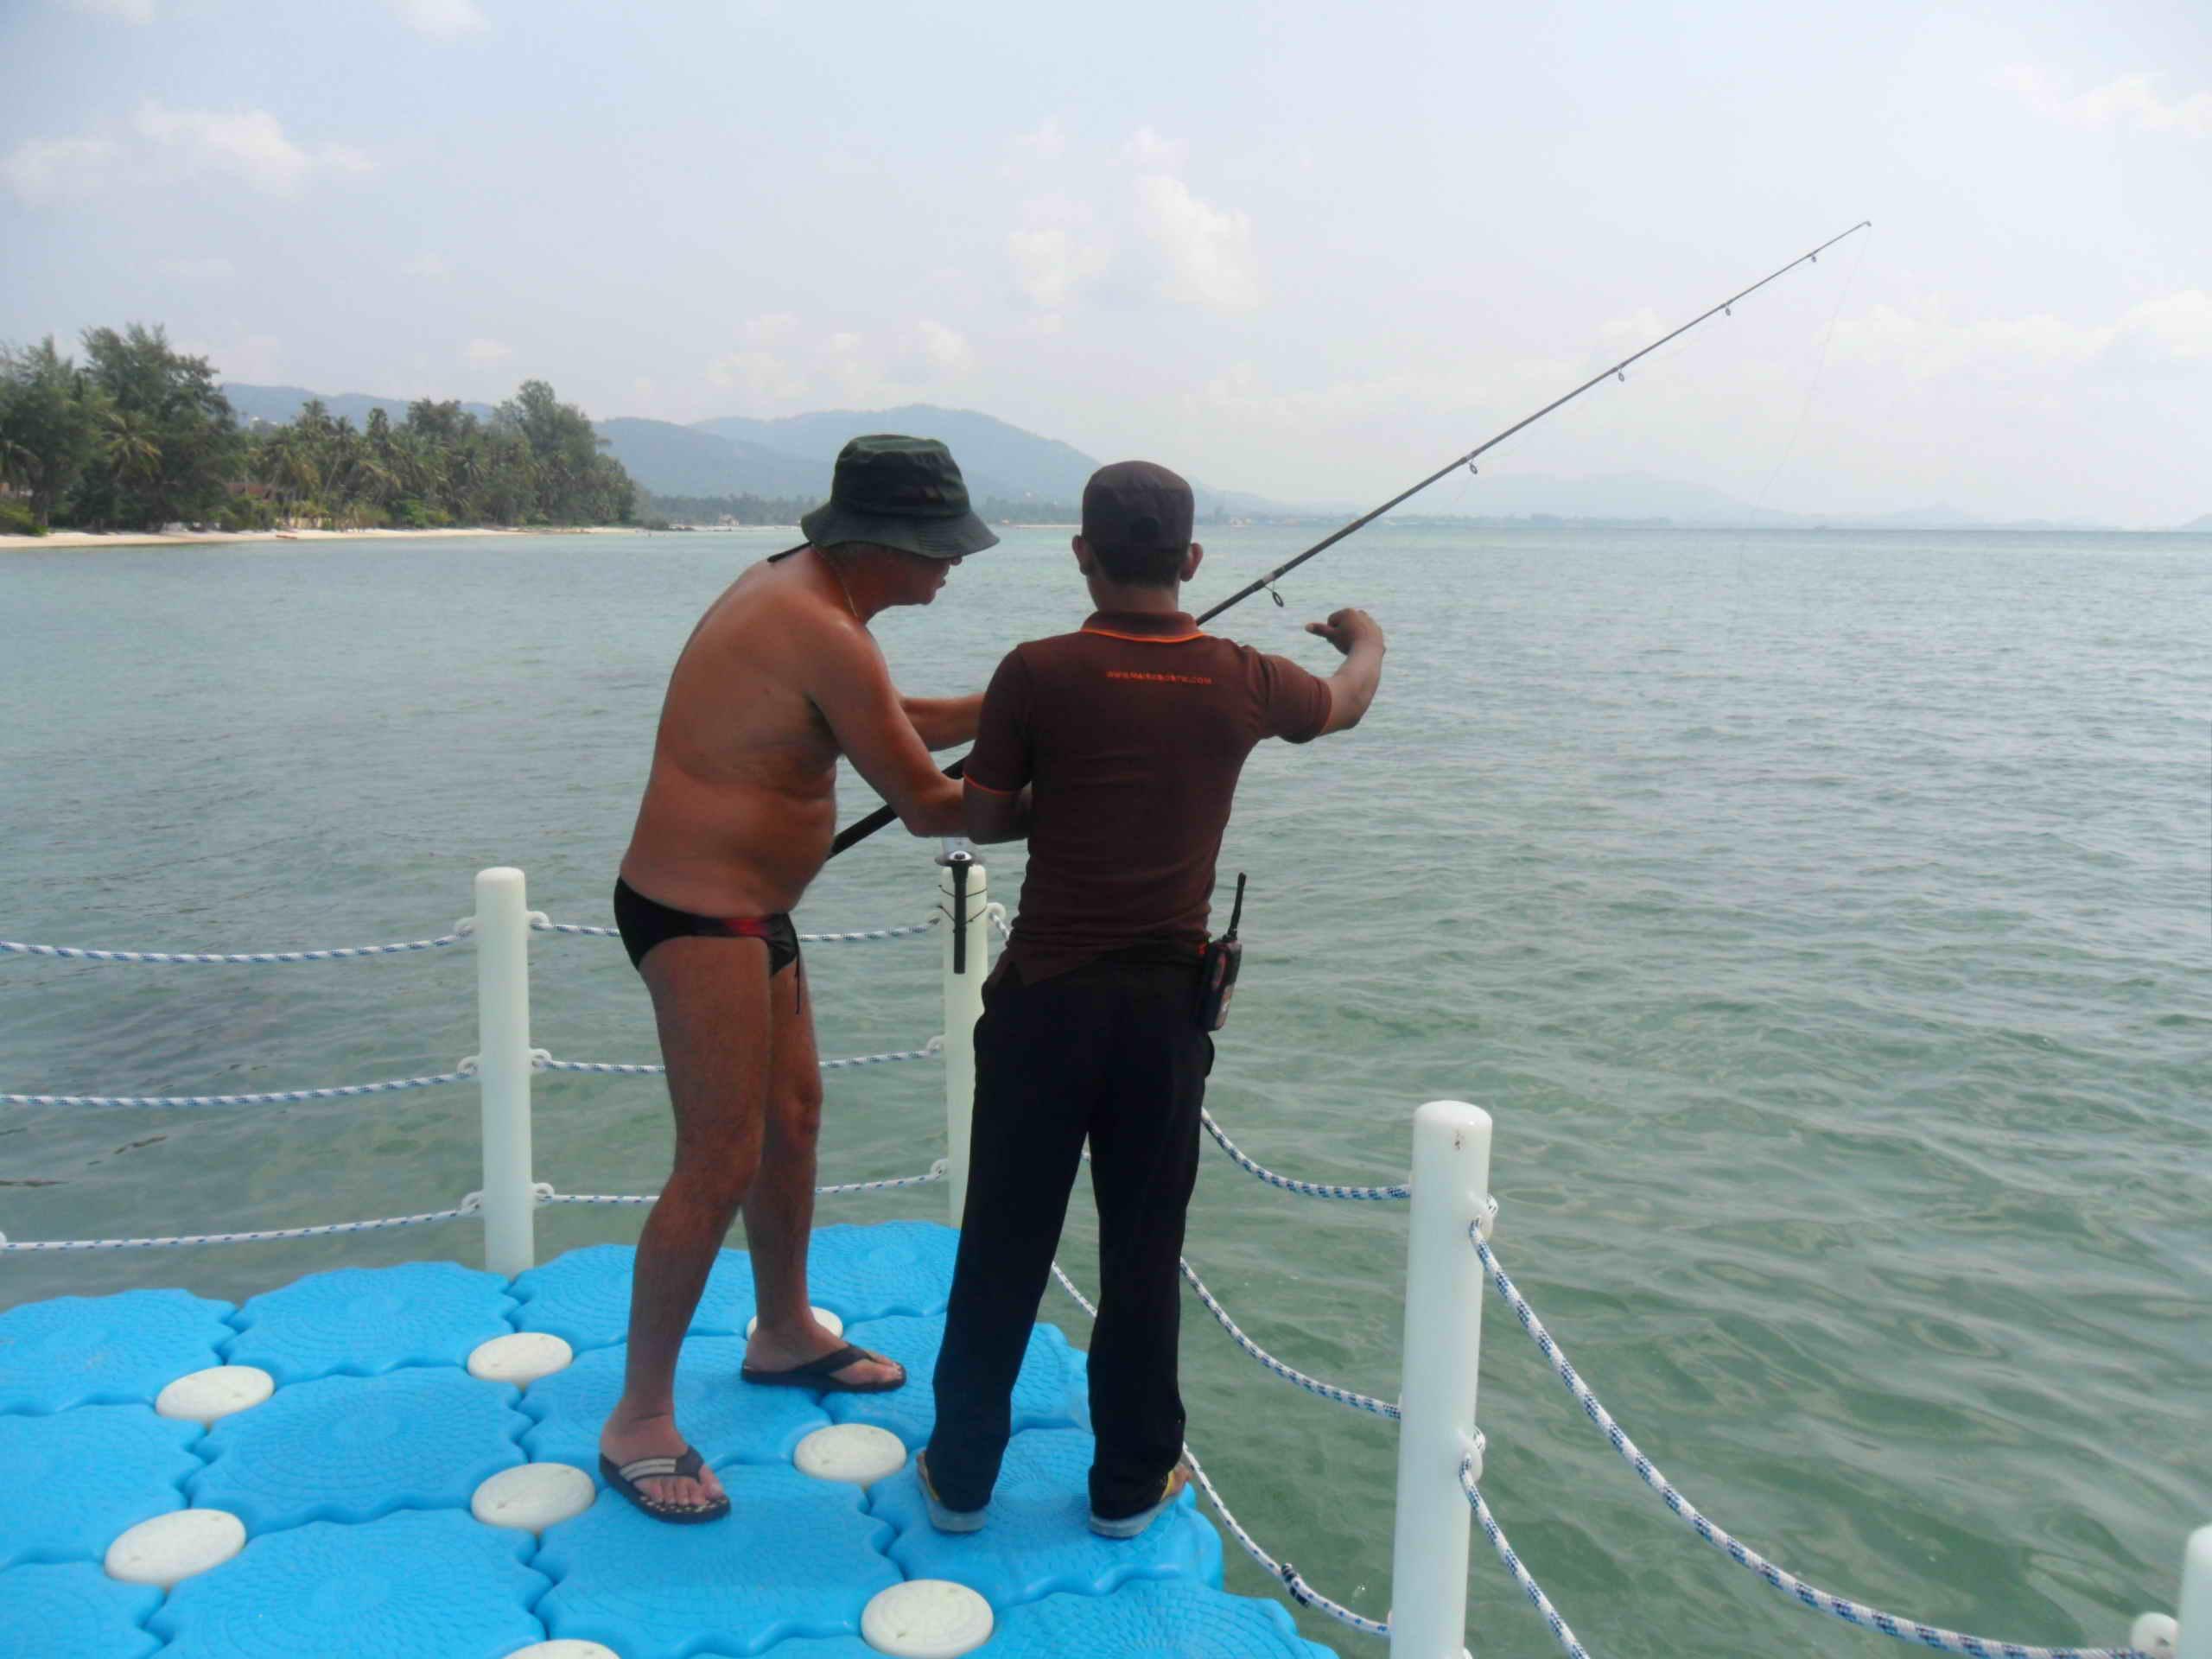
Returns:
(170, 1548)
(926, 1619)
(859, 1453)
(208, 1396)
(532, 1497)
(520, 1357)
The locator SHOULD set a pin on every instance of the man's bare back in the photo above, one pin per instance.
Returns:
(779, 678)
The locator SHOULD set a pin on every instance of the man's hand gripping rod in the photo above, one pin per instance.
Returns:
(863, 829)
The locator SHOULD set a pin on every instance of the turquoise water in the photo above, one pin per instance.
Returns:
(1823, 917)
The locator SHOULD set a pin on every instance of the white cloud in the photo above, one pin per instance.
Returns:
(446, 19)
(2130, 100)
(1047, 143)
(253, 359)
(2174, 327)
(40, 170)
(945, 349)
(130, 12)
(248, 144)
(1155, 153)
(1050, 264)
(431, 267)
(214, 269)
(486, 351)
(759, 365)
(1210, 262)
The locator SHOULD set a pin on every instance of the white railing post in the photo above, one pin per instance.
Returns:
(1443, 1347)
(503, 1068)
(964, 894)
(2195, 1612)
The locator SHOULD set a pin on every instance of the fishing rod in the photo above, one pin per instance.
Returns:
(863, 829)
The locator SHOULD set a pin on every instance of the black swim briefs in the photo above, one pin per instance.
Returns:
(644, 924)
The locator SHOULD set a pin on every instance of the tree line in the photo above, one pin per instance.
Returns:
(659, 511)
(138, 436)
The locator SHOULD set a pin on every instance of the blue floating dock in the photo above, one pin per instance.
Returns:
(353, 1480)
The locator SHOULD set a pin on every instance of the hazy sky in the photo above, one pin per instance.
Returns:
(1303, 250)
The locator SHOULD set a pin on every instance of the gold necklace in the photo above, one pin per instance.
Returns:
(837, 576)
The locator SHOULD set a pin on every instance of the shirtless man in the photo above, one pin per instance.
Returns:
(779, 678)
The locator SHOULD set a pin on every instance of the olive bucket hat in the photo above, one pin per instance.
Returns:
(901, 492)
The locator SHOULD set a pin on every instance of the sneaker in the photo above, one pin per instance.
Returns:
(1128, 1526)
(943, 1519)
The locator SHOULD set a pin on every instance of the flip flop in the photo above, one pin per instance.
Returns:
(815, 1374)
(625, 1478)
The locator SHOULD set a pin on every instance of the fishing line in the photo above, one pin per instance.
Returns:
(1820, 369)
(861, 830)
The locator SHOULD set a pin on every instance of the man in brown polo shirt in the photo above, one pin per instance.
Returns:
(1116, 750)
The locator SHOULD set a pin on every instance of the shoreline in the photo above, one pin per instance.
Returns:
(82, 539)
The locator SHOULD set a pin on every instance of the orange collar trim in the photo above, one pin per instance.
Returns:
(1148, 638)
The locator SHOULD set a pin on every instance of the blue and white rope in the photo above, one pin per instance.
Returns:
(934, 1172)
(278, 1097)
(540, 924)
(1309, 1189)
(257, 958)
(468, 1206)
(1282, 1572)
(1558, 1626)
(930, 1051)
(1806, 1595)
(1351, 1397)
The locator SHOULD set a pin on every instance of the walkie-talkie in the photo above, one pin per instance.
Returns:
(1218, 969)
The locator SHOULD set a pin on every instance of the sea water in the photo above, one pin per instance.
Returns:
(1823, 918)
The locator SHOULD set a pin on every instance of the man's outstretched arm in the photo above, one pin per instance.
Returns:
(851, 686)
(1352, 687)
(944, 722)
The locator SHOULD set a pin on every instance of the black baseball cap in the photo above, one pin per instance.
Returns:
(902, 492)
(1137, 506)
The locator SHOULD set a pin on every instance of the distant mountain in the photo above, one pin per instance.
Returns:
(672, 460)
(996, 459)
(277, 404)
(2201, 526)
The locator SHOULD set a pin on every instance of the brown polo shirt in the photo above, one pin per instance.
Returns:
(1132, 732)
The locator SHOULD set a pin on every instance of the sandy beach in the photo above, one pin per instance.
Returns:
(88, 539)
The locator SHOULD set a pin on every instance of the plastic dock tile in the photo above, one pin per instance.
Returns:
(1170, 1620)
(357, 1322)
(728, 1421)
(76, 1478)
(583, 1296)
(350, 1448)
(872, 1272)
(409, 1586)
(1051, 1392)
(79, 1351)
(73, 1612)
(1037, 1538)
(794, 1557)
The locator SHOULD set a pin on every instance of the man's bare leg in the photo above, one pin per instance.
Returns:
(780, 1206)
(711, 1001)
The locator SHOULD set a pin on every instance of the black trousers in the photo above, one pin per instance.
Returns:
(1109, 1050)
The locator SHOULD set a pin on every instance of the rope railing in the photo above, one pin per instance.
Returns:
(935, 1173)
(1288, 1184)
(464, 1073)
(933, 1049)
(1805, 1594)
(1352, 1397)
(1520, 1575)
(541, 923)
(462, 931)
(542, 1193)
(467, 1206)
(1283, 1572)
